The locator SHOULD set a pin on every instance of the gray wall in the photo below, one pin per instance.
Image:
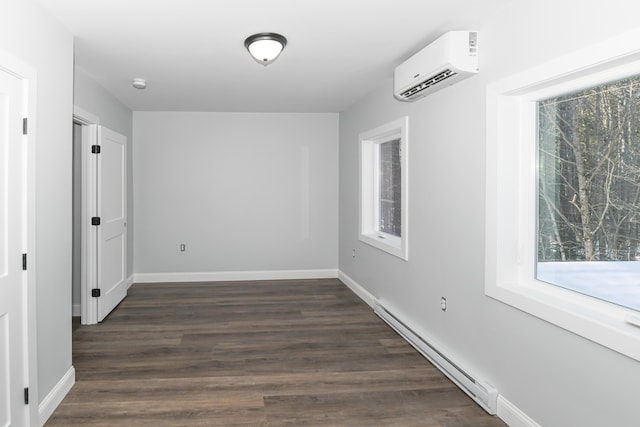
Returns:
(30, 34)
(243, 191)
(556, 377)
(93, 98)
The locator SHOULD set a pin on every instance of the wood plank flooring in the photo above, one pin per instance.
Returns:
(271, 353)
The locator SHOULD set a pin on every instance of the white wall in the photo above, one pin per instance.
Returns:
(556, 377)
(30, 34)
(245, 192)
(93, 98)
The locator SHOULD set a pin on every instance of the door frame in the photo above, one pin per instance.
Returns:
(28, 75)
(89, 242)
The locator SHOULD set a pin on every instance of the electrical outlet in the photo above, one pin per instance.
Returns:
(443, 304)
(353, 253)
(183, 247)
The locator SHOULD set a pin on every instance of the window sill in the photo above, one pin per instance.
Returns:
(387, 243)
(604, 323)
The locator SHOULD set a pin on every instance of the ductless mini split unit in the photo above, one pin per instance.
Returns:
(449, 59)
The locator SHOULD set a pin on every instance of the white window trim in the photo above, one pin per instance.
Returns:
(369, 212)
(511, 194)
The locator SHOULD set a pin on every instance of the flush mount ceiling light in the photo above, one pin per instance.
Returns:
(139, 83)
(265, 47)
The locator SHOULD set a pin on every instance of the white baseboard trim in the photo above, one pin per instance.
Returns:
(234, 276)
(129, 281)
(357, 289)
(512, 415)
(507, 411)
(55, 396)
(76, 310)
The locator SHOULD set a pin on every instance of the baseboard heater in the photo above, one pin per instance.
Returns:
(484, 394)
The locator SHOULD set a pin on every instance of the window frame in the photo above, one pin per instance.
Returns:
(369, 145)
(511, 197)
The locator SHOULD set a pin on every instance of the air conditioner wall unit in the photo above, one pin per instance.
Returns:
(449, 59)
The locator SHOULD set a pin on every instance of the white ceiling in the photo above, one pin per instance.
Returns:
(192, 51)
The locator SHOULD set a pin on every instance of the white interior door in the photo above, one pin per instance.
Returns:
(112, 210)
(13, 338)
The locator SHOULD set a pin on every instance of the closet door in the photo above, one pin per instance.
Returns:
(112, 211)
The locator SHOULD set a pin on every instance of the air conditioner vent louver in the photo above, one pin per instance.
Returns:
(428, 83)
(449, 59)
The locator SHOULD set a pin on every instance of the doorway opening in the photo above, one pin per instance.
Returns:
(99, 219)
(76, 302)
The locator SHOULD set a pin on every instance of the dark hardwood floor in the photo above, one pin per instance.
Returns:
(277, 353)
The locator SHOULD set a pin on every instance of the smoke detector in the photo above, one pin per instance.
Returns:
(139, 83)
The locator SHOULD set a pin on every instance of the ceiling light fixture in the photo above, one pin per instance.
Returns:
(265, 47)
(139, 83)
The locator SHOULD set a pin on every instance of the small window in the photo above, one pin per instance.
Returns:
(390, 185)
(383, 187)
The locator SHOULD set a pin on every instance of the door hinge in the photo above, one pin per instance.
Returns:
(95, 149)
(95, 293)
(24, 126)
(95, 220)
(26, 395)
(24, 261)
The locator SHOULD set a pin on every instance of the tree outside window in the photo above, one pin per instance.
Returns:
(383, 187)
(589, 180)
(390, 188)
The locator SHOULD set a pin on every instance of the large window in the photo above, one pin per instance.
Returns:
(563, 192)
(589, 191)
(383, 187)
